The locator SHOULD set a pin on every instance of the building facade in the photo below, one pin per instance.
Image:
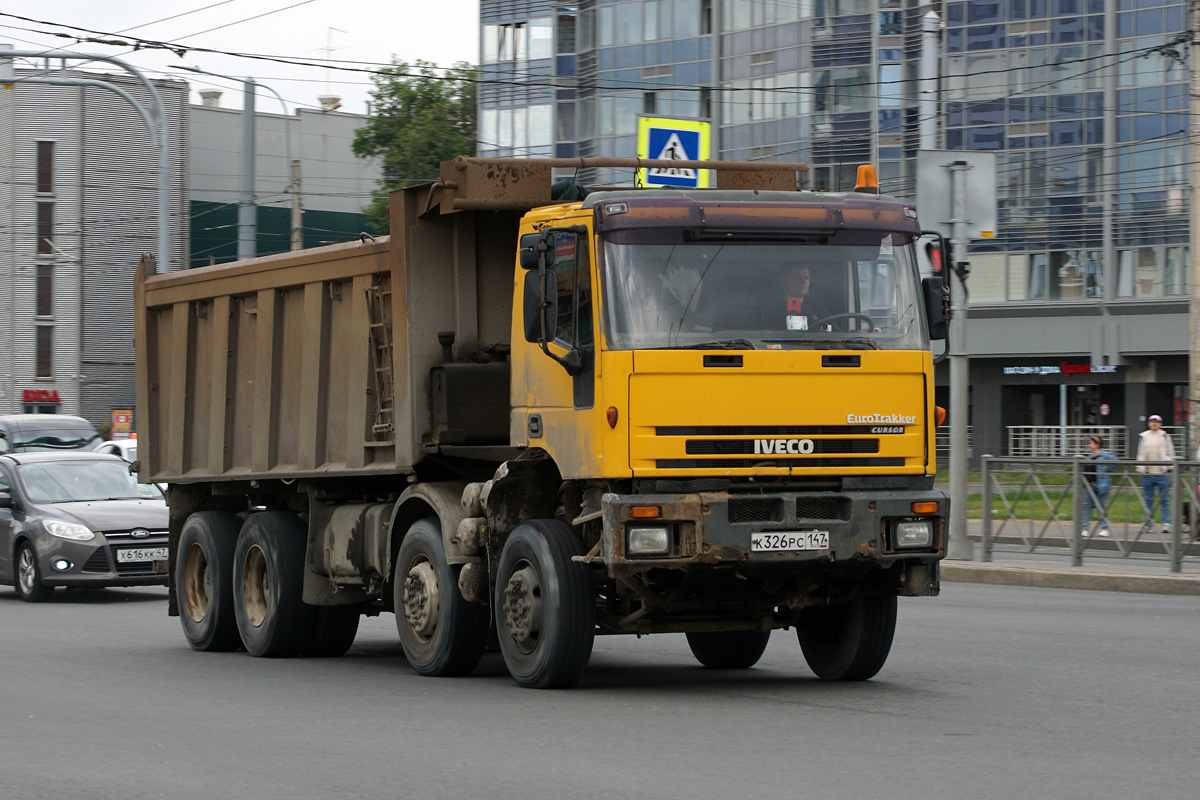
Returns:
(1078, 306)
(78, 207)
(334, 184)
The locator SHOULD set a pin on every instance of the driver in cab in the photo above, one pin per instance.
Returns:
(800, 312)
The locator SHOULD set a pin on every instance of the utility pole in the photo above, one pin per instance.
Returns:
(959, 546)
(297, 210)
(1193, 406)
(247, 225)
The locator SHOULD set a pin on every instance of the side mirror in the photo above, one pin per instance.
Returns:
(533, 299)
(937, 304)
(6, 499)
(528, 253)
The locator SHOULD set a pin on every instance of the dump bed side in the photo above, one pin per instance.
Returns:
(316, 363)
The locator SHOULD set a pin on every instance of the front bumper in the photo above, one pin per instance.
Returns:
(714, 529)
(94, 563)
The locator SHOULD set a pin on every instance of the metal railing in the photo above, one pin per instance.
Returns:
(1066, 441)
(1040, 500)
(941, 442)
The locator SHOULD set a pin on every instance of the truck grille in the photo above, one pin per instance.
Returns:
(761, 461)
(765, 430)
(751, 509)
(722, 447)
(819, 508)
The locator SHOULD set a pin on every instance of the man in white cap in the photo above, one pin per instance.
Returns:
(1155, 445)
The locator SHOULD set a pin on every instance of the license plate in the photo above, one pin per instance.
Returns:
(131, 554)
(789, 540)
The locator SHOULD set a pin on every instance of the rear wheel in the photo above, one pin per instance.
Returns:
(28, 581)
(851, 641)
(729, 649)
(333, 632)
(545, 606)
(268, 569)
(204, 580)
(441, 632)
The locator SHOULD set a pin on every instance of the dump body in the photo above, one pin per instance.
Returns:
(317, 363)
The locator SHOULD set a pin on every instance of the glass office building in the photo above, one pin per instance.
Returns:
(1083, 102)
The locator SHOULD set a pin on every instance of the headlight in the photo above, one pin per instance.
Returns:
(913, 534)
(648, 542)
(69, 530)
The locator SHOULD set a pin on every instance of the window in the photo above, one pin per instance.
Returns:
(573, 283)
(566, 32)
(45, 167)
(45, 290)
(45, 351)
(541, 39)
(45, 228)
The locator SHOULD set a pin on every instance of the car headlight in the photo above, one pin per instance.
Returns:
(648, 541)
(69, 530)
(913, 534)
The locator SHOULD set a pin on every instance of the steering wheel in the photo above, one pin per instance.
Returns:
(847, 317)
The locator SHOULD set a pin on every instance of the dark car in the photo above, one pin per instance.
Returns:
(78, 519)
(29, 433)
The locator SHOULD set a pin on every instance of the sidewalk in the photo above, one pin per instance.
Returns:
(1050, 567)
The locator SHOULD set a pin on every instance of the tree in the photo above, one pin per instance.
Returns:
(422, 115)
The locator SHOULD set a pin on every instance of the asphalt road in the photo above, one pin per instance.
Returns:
(991, 692)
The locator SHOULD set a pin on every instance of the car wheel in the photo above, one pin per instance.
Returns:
(204, 580)
(442, 633)
(851, 641)
(28, 581)
(268, 583)
(729, 649)
(545, 605)
(333, 632)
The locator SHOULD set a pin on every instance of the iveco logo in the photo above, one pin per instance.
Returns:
(139, 533)
(794, 447)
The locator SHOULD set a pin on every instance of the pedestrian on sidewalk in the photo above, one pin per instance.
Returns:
(1099, 483)
(1155, 445)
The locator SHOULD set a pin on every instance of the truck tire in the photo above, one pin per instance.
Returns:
(851, 641)
(204, 580)
(333, 631)
(729, 649)
(441, 632)
(268, 583)
(545, 606)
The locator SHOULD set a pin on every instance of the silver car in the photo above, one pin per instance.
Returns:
(78, 519)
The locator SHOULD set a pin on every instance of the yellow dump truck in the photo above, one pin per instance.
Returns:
(528, 421)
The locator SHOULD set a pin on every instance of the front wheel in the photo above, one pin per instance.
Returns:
(729, 649)
(851, 641)
(28, 581)
(545, 606)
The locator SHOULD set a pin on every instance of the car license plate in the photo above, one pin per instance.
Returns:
(789, 540)
(131, 554)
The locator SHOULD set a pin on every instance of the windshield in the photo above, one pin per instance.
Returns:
(65, 482)
(853, 290)
(57, 438)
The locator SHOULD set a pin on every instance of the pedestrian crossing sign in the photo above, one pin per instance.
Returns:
(673, 140)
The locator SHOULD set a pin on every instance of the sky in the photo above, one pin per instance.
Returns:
(444, 32)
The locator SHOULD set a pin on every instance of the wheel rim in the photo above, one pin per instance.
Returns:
(256, 587)
(523, 612)
(196, 587)
(422, 600)
(26, 571)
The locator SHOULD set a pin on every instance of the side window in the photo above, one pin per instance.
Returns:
(573, 285)
(4, 445)
(5, 484)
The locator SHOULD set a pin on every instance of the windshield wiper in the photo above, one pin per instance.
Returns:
(721, 344)
(829, 344)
